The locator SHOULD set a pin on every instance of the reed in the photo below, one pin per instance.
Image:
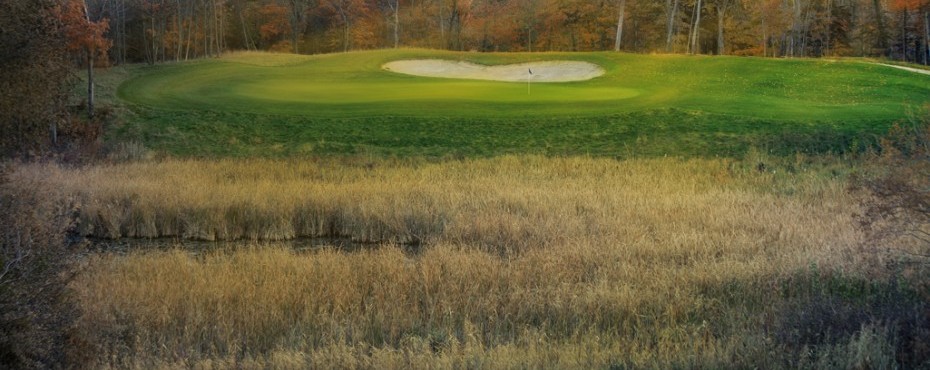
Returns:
(524, 262)
(503, 204)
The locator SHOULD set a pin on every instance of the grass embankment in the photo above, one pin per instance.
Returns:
(526, 262)
(261, 105)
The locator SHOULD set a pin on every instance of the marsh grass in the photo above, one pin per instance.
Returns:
(524, 262)
(501, 205)
(565, 307)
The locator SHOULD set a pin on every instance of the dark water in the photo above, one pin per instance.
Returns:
(129, 245)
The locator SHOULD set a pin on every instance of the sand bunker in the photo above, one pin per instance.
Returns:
(553, 71)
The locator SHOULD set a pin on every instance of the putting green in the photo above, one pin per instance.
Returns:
(354, 84)
(258, 104)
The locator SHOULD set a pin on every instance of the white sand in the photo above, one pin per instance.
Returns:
(552, 71)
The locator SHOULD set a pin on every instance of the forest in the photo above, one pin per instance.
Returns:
(156, 31)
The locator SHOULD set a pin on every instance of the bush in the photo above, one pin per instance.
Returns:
(33, 77)
(897, 211)
(896, 218)
(34, 260)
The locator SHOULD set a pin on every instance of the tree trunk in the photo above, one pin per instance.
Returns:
(396, 23)
(218, 26)
(670, 25)
(345, 35)
(880, 20)
(442, 28)
(90, 84)
(765, 38)
(245, 33)
(620, 26)
(204, 23)
(696, 29)
(178, 24)
(904, 34)
(926, 38)
(721, 12)
(826, 51)
(91, 53)
(190, 33)
(795, 27)
(529, 39)
(295, 25)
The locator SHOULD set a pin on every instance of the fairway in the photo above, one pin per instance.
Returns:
(272, 105)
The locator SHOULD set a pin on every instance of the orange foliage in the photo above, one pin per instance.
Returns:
(82, 34)
(907, 4)
(275, 24)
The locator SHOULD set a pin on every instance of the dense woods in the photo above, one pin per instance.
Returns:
(32, 68)
(164, 30)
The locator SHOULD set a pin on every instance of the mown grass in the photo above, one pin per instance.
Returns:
(656, 133)
(524, 262)
(270, 105)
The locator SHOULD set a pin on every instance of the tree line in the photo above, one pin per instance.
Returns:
(165, 30)
(41, 40)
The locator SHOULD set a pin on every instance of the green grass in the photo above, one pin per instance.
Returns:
(251, 104)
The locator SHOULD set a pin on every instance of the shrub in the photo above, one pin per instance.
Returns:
(897, 211)
(33, 267)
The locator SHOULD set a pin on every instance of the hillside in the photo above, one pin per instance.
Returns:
(257, 104)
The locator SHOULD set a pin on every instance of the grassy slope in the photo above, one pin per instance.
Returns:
(276, 105)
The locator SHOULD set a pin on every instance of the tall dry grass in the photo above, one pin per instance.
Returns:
(510, 203)
(526, 262)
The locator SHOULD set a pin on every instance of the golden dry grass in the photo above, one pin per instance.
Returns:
(503, 204)
(526, 261)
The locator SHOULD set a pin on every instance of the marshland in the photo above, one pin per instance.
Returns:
(269, 210)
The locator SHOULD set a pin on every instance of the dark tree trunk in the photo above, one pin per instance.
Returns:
(829, 32)
(90, 84)
(926, 38)
(880, 21)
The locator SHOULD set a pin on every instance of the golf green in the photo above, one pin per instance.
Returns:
(300, 101)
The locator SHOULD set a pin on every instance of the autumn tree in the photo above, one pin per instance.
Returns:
(297, 15)
(394, 5)
(86, 38)
(274, 24)
(345, 13)
(910, 14)
(527, 14)
(159, 30)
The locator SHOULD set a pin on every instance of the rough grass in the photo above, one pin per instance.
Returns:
(270, 105)
(525, 262)
(502, 203)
